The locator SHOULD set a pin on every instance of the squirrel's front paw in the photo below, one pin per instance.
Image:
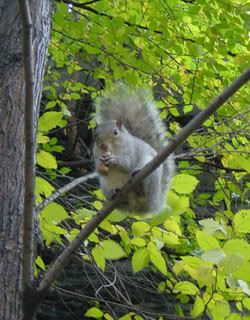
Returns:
(102, 169)
(113, 193)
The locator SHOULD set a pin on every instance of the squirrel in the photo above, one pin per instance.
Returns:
(129, 134)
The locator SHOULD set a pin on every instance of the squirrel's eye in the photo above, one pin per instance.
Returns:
(115, 132)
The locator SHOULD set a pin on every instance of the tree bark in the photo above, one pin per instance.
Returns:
(12, 140)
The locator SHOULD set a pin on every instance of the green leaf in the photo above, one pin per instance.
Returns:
(243, 163)
(243, 273)
(238, 246)
(140, 259)
(211, 226)
(198, 307)
(112, 250)
(157, 259)
(246, 303)
(185, 287)
(116, 216)
(98, 255)
(231, 263)
(108, 317)
(124, 236)
(52, 233)
(179, 311)
(49, 120)
(206, 241)
(46, 160)
(40, 263)
(172, 225)
(139, 228)
(50, 105)
(241, 221)
(219, 310)
(94, 313)
(107, 226)
(178, 204)
(42, 139)
(42, 187)
(53, 213)
(214, 255)
(184, 183)
(93, 238)
(139, 242)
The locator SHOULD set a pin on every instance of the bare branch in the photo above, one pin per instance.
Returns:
(64, 189)
(30, 147)
(71, 249)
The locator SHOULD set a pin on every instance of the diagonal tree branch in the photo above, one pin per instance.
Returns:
(70, 250)
(30, 146)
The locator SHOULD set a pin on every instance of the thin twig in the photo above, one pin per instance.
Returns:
(75, 163)
(71, 249)
(121, 305)
(30, 147)
(64, 189)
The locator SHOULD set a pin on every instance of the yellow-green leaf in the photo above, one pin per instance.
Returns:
(98, 255)
(53, 213)
(246, 303)
(49, 120)
(243, 273)
(158, 261)
(140, 259)
(112, 250)
(172, 225)
(139, 242)
(184, 183)
(206, 241)
(239, 246)
(219, 310)
(232, 262)
(42, 187)
(214, 255)
(139, 228)
(244, 163)
(178, 204)
(198, 307)
(242, 221)
(107, 226)
(46, 160)
(94, 313)
(42, 139)
(185, 287)
(40, 263)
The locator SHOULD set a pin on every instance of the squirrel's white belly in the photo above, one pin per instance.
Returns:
(115, 179)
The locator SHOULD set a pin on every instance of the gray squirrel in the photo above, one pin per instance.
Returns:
(129, 134)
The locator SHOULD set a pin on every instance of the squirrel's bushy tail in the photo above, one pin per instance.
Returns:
(137, 111)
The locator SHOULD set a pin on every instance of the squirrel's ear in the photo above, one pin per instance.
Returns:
(119, 123)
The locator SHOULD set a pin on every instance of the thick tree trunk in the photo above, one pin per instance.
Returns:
(12, 140)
